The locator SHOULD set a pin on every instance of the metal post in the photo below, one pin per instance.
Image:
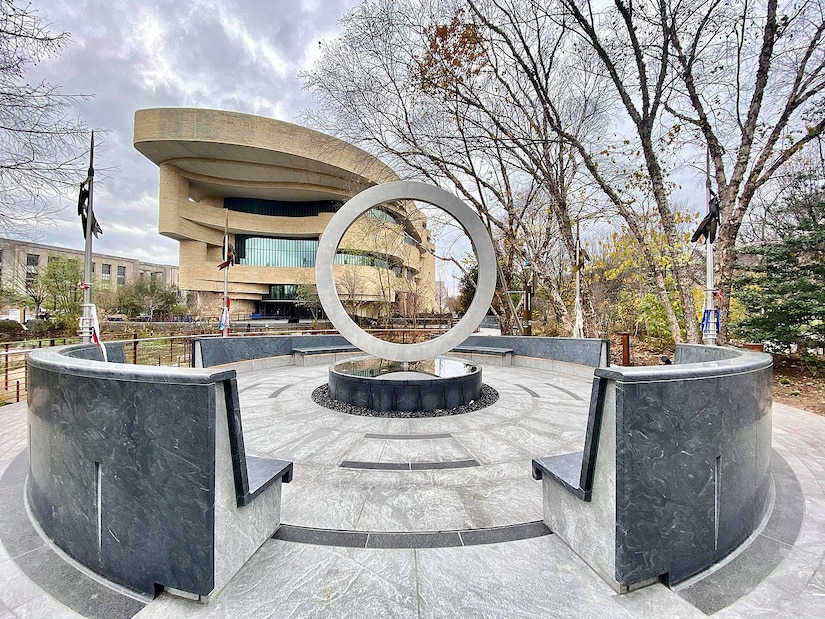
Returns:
(708, 310)
(578, 325)
(625, 339)
(528, 305)
(226, 256)
(86, 319)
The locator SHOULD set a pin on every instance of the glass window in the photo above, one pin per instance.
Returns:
(32, 264)
(381, 214)
(282, 292)
(106, 274)
(280, 208)
(121, 275)
(360, 259)
(275, 252)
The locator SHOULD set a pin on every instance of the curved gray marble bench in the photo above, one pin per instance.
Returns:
(568, 353)
(140, 473)
(675, 469)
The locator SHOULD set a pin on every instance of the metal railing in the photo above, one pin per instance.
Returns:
(168, 350)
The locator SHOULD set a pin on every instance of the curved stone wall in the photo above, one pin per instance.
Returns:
(673, 477)
(139, 472)
(209, 352)
(675, 471)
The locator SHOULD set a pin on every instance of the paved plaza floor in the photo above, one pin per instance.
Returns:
(435, 517)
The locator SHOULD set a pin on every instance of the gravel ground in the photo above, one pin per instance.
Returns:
(321, 396)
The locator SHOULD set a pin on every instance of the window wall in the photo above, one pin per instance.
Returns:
(275, 252)
(285, 252)
(282, 292)
(280, 208)
(360, 259)
(32, 267)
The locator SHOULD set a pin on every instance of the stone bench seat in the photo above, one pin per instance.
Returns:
(566, 470)
(300, 353)
(671, 479)
(261, 473)
(150, 492)
(505, 354)
(323, 350)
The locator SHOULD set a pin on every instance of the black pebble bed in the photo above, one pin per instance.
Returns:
(321, 396)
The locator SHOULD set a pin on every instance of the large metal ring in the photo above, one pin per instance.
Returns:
(380, 194)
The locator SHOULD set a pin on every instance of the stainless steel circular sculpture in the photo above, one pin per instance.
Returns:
(405, 190)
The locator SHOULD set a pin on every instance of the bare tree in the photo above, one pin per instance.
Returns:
(408, 80)
(41, 146)
(510, 101)
(351, 290)
(306, 295)
(751, 87)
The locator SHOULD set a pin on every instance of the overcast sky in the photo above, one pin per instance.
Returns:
(239, 55)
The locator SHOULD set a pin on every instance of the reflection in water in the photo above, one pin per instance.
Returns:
(372, 367)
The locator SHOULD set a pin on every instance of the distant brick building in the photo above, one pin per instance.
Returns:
(22, 261)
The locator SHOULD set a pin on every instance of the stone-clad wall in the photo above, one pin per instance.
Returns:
(681, 463)
(209, 352)
(590, 352)
(139, 472)
(217, 351)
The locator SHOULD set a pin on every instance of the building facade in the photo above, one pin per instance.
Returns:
(21, 262)
(274, 186)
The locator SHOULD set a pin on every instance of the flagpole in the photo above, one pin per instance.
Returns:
(225, 308)
(709, 311)
(86, 320)
(578, 326)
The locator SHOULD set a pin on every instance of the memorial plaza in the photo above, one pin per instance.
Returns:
(435, 517)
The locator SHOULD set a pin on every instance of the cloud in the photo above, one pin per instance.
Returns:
(226, 54)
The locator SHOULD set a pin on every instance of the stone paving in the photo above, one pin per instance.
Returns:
(414, 487)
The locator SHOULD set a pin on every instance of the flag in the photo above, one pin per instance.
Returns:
(224, 326)
(707, 227)
(228, 254)
(84, 206)
(709, 317)
(96, 331)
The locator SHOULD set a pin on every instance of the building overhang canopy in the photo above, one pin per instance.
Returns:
(227, 154)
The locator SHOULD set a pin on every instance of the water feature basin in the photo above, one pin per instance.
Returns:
(427, 385)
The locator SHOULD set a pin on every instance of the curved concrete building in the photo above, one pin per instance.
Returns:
(275, 186)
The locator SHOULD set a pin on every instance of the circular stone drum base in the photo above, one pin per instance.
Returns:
(382, 385)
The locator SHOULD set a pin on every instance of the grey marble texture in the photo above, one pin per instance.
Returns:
(208, 352)
(407, 393)
(501, 438)
(239, 530)
(588, 352)
(691, 462)
(129, 467)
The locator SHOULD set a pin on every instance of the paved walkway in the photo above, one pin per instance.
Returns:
(433, 518)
